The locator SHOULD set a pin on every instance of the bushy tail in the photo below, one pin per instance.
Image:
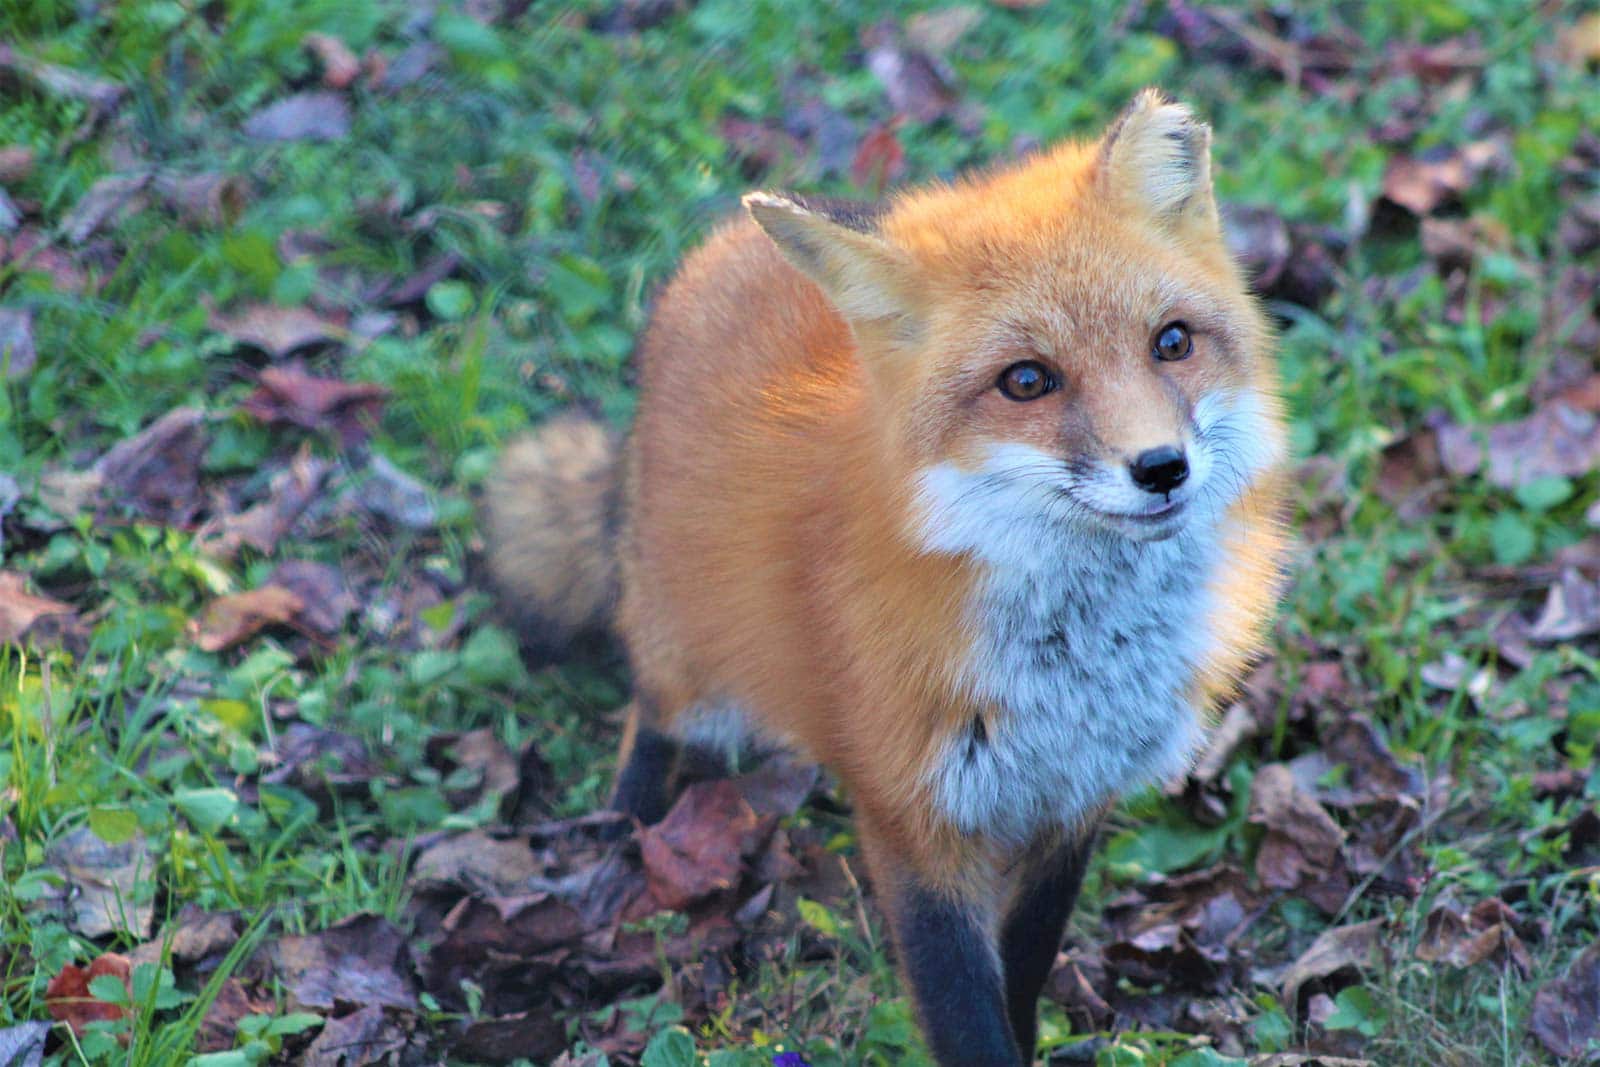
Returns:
(553, 509)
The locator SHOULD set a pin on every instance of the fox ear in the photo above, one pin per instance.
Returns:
(1159, 155)
(865, 277)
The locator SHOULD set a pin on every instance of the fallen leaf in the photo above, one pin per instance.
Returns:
(157, 471)
(1238, 725)
(22, 1045)
(779, 786)
(477, 863)
(699, 848)
(1302, 841)
(1487, 932)
(1579, 44)
(1421, 184)
(366, 1036)
(107, 201)
(880, 160)
(279, 331)
(917, 85)
(1343, 948)
(19, 609)
(290, 395)
(482, 754)
(69, 1000)
(539, 1035)
(290, 492)
(103, 97)
(1571, 609)
(111, 888)
(1566, 1012)
(360, 961)
(205, 199)
(229, 620)
(17, 354)
(763, 146)
(320, 762)
(1258, 240)
(392, 494)
(325, 602)
(321, 115)
(16, 163)
(219, 1029)
(340, 67)
(1555, 441)
(31, 250)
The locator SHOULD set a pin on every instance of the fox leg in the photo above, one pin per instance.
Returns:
(1031, 932)
(645, 765)
(951, 965)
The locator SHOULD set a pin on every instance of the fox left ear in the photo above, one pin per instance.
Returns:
(867, 278)
(1159, 155)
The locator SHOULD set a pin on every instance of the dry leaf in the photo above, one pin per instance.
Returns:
(315, 116)
(16, 163)
(68, 999)
(1421, 184)
(1555, 441)
(19, 609)
(228, 620)
(1353, 947)
(699, 848)
(17, 354)
(362, 960)
(1566, 1012)
(340, 67)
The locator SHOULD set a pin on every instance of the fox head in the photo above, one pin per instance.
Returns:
(1065, 341)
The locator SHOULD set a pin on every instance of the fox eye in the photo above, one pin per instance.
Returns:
(1173, 342)
(1028, 380)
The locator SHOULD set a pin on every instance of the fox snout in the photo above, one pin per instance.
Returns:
(1160, 470)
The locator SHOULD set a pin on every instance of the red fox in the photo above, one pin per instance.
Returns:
(974, 496)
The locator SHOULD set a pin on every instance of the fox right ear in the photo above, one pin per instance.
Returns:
(1158, 155)
(865, 277)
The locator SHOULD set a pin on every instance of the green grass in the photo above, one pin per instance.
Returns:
(604, 158)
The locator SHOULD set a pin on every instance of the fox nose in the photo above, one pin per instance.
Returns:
(1160, 470)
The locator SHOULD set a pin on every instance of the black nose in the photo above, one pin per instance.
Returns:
(1160, 470)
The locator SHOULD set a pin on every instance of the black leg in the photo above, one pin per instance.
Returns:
(950, 962)
(641, 789)
(1031, 935)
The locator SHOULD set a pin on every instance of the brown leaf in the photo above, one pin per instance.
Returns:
(107, 201)
(1555, 441)
(1343, 948)
(228, 620)
(1258, 240)
(360, 961)
(30, 250)
(917, 85)
(779, 786)
(17, 354)
(205, 199)
(19, 609)
(22, 1045)
(290, 492)
(880, 160)
(478, 863)
(321, 115)
(325, 602)
(698, 849)
(102, 96)
(936, 32)
(110, 888)
(279, 331)
(1571, 609)
(219, 1030)
(1566, 1012)
(16, 163)
(68, 999)
(157, 470)
(1238, 725)
(539, 1035)
(1488, 931)
(763, 146)
(340, 67)
(290, 395)
(1421, 184)
(1579, 44)
(1373, 772)
(367, 1036)
(1302, 841)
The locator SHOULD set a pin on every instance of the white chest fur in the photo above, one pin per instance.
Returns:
(1087, 663)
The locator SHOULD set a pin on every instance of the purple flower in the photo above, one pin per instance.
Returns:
(789, 1059)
